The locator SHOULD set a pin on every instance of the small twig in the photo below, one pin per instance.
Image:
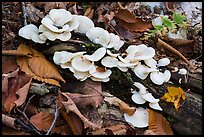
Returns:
(173, 50)
(120, 5)
(25, 116)
(55, 119)
(24, 13)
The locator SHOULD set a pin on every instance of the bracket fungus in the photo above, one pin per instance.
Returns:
(139, 119)
(97, 55)
(182, 71)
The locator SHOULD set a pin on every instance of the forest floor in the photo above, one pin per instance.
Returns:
(30, 105)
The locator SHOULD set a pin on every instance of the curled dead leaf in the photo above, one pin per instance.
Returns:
(70, 106)
(132, 23)
(117, 102)
(158, 123)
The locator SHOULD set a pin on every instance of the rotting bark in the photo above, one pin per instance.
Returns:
(188, 119)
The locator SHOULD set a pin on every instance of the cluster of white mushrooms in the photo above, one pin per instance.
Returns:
(59, 24)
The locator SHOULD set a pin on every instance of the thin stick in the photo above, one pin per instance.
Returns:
(55, 119)
(24, 13)
(173, 50)
(120, 5)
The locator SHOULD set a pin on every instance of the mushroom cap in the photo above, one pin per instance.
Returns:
(97, 55)
(98, 35)
(85, 23)
(137, 98)
(73, 24)
(115, 42)
(157, 77)
(139, 119)
(60, 16)
(148, 97)
(50, 24)
(81, 75)
(141, 71)
(163, 62)
(111, 54)
(109, 62)
(123, 69)
(61, 57)
(43, 37)
(124, 60)
(67, 65)
(27, 31)
(81, 64)
(98, 79)
(140, 52)
(37, 39)
(98, 74)
(155, 106)
(182, 71)
(142, 88)
(121, 64)
(151, 63)
(53, 36)
(167, 75)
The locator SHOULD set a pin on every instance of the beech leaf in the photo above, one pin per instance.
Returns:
(117, 102)
(158, 124)
(38, 67)
(174, 95)
(132, 23)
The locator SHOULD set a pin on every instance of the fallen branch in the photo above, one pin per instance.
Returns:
(55, 119)
(24, 13)
(173, 50)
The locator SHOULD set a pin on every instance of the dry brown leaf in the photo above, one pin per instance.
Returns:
(178, 42)
(42, 120)
(158, 123)
(33, 14)
(70, 106)
(117, 102)
(13, 82)
(170, 6)
(132, 23)
(174, 95)
(114, 130)
(9, 66)
(9, 121)
(10, 131)
(77, 127)
(22, 93)
(89, 12)
(38, 67)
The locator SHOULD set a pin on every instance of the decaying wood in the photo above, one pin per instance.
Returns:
(188, 119)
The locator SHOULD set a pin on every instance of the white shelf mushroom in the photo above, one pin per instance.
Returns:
(56, 20)
(99, 36)
(163, 62)
(148, 97)
(142, 88)
(97, 55)
(109, 62)
(31, 32)
(85, 24)
(137, 98)
(182, 71)
(61, 57)
(139, 119)
(115, 42)
(111, 54)
(99, 74)
(151, 63)
(81, 64)
(155, 106)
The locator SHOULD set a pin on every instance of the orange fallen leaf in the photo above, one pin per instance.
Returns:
(15, 83)
(121, 104)
(37, 65)
(174, 95)
(132, 23)
(66, 102)
(158, 124)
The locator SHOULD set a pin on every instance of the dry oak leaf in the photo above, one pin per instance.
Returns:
(38, 66)
(158, 123)
(91, 94)
(15, 83)
(119, 129)
(117, 102)
(174, 95)
(70, 106)
(132, 23)
(43, 120)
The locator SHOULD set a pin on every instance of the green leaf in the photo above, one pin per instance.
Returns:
(167, 22)
(178, 18)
